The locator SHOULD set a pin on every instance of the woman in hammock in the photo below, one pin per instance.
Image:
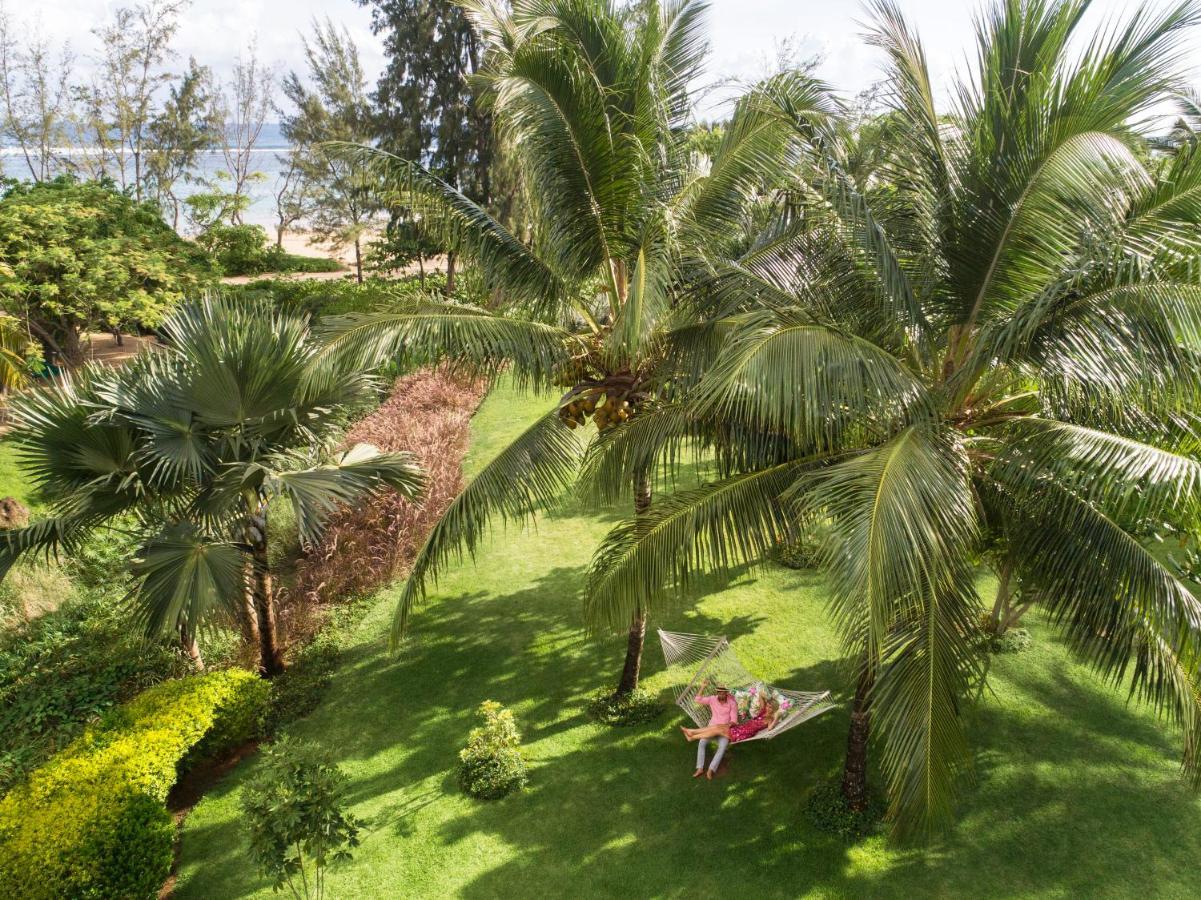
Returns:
(738, 731)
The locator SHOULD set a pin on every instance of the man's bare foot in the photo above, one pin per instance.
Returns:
(709, 774)
(697, 773)
(687, 736)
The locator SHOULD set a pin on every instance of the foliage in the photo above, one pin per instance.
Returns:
(91, 821)
(82, 255)
(294, 809)
(1013, 640)
(492, 764)
(331, 107)
(196, 442)
(319, 299)
(997, 339)
(625, 710)
(243, 250)
(64, 669)
(827, 811)
(428, 108)
(188, 124)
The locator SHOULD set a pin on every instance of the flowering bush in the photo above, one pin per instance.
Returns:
(91, 821)
(492, 765)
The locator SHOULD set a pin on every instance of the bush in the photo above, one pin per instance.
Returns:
(91, 821)
(828, 812)
(492, 764)
(66, 668)
(238, 249)
(294, 807)
(1015, 640)
(243, 250)
(621, 711)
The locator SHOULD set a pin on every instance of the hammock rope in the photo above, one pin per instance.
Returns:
(712, 657)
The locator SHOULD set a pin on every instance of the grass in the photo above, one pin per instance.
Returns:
(1077, 792)
(13, 481)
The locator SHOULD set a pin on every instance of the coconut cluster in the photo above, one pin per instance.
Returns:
(606, 406)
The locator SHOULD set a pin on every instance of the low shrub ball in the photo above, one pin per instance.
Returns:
(625, 710)
(492, 765)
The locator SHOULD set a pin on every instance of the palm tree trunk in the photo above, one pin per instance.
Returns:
(450, 274)
(187, 640)
(633, 664)
(854, 772)
(358, 261)
(1000, 607)
(271, 656)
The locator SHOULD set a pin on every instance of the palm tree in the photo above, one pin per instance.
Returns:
(195, 443)
(593, 96)
(989, 354)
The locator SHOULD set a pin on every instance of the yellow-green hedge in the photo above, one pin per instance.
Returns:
(91, 821)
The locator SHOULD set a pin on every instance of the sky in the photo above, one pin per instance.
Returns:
(744, 34)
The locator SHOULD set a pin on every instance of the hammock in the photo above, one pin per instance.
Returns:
(713, 657)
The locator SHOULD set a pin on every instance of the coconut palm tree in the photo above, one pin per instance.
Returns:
(194, 443)
(988, 355)
(593, 96)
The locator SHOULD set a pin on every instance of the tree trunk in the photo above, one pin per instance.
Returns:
(421, 269)
(854, 772)
(118, 337)
(271, 656)
(358, 261)
(71, 347)
(187, 640)
(637, 637)
(1000, 608)
(450, 274)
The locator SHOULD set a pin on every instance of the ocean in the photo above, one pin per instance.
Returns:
(266, 154)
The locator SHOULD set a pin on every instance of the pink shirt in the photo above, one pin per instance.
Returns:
(723, 713)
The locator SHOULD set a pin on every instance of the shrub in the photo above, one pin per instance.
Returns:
(65, 669)
(294, 807)
(828, 812)
(492, 764)
(1015, 640)
(625, 710)
(91, 821)
(238, 249)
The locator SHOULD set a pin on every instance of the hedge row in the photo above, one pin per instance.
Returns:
(91, 822)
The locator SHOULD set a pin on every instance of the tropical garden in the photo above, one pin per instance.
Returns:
(354, 587)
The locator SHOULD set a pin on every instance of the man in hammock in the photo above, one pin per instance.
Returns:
(723, 711)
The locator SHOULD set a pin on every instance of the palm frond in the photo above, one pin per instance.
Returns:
(530, 474)
(318, 491)
(184, 579)
(709, 529)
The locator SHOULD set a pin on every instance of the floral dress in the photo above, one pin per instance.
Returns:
(748, 729)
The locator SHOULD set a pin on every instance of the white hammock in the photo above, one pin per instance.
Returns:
(714, 658)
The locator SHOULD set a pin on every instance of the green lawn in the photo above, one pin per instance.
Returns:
(1078, 794)
(13, 482)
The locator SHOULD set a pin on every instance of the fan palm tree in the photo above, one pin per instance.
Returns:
(194, 443)
(593, 96)
(988, 354)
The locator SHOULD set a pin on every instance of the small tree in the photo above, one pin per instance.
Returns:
(246, 105)
(82, 255)
(330, 106)
(295, 810)
(198, 442)
(492, 765)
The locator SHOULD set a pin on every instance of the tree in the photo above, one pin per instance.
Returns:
(428, 107)
(82, 255)
(999, 359)
(197, 442)
(119, 104)
(595, 100)
(188, 125)
(35, 84)
(295, 810)
(331, 107)
(247, 101)
(291, 194)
